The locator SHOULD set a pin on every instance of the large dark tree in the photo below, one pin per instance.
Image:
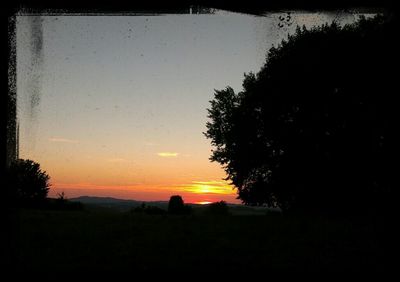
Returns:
(30, 183)
(176, 205)
(314, 129)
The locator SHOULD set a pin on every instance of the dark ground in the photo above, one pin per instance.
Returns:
(99, 240)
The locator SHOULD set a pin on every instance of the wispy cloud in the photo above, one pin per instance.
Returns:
(168, 154)
(62, 140)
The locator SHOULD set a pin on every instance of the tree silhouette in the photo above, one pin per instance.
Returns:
(177, 206)
(152, 210)
(217, 208)
(314, 129)
(28, 180)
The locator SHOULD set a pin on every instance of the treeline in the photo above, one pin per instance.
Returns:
(176, 206)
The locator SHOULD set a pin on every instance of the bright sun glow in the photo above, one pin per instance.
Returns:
(203, 202)
(208, 187)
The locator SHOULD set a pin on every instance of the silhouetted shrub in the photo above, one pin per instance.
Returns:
(62, 203)
(61, 199)
(144, 209)
(29, 181)
(177, 206)
(217, 208)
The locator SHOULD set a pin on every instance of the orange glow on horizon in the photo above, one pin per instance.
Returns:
(197, 192)
(203, 202)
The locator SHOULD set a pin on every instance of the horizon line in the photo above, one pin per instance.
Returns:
(166, 201)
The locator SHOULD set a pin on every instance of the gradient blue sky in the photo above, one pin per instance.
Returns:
(120, 101)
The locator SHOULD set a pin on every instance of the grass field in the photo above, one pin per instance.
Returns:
(105, 240)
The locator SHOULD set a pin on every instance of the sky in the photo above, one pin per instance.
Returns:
(117, 105)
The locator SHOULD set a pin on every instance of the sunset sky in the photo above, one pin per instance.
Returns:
(116, 105)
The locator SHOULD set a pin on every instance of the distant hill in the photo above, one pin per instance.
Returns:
(119, 204)
(126, 205)
(103, 200)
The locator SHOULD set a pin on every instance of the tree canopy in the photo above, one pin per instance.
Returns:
(176, 205)
(28, 180)
(313, 130)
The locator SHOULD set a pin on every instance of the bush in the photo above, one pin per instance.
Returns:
(177, 206)
(148, 209)
(218, 208)
(29, 181)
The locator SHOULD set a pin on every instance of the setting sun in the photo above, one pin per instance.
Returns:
(203, 202)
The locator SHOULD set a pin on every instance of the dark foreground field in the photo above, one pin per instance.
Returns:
(102, 240)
